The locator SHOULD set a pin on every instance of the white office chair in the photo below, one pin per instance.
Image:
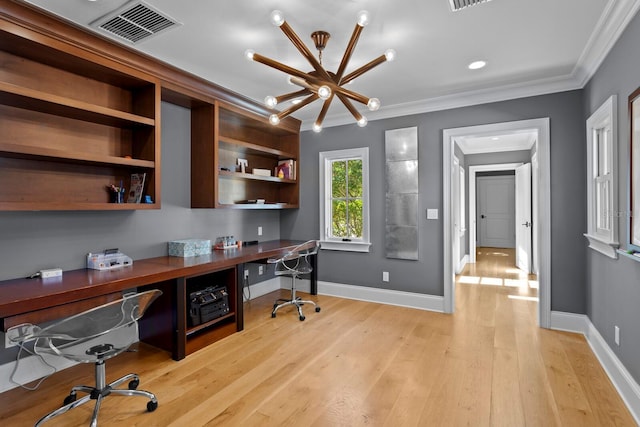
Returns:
(295, 263)
(93, 337)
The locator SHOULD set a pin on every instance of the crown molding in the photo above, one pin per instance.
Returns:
(615, 18)
(461, 99)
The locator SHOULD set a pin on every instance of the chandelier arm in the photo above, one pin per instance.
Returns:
(349, 51)
(355, 113)
(313, 83)
(308, 100)
(279, 66)
(349, 94)
(360, 71)
(292, 95)
(311, 86)
(304, 50)
(323, 111)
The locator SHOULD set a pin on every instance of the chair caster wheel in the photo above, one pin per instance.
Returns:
(152, 406)
(317, 309)
(133, 384)
(69, 399)
(302, 318)
(273, 315)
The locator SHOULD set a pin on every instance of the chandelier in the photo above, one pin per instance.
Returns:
(320, 83)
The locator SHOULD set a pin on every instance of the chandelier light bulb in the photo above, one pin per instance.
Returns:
(277, 18)
(274, 119)
(324, 92)
(271, 101)
(373, 104)
(390, 54)
(317, 128)
(248, 54)
(363, 18)
(362, 122)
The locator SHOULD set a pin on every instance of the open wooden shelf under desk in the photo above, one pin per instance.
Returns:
(165, 324)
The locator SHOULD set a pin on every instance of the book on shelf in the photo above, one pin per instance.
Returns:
(286, 169)
(137, 187)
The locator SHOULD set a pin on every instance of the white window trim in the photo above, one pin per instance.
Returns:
(605, 117)
(326, 242)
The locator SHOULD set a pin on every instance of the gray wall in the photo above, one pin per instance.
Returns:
(426, 274)
(31, 241)
(613, 294)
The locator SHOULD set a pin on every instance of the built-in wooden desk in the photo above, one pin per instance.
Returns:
(165, 324)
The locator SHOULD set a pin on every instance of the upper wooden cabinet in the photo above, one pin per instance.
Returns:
(220, 135)
(79, 112)
(71, 125)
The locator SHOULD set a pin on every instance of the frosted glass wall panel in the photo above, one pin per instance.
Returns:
(401, 167)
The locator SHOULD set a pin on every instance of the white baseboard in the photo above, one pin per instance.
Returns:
(622, 380)
(462, 263)
(382, 296)
(30, 369)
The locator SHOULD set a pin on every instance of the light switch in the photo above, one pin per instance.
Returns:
(432, 213)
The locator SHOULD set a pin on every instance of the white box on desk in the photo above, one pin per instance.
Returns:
(189, 247)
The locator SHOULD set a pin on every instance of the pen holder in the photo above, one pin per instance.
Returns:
(116, 194)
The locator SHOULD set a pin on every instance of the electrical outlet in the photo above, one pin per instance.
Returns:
(385, 276)
(246, 274)
(260, 270)
(259, 231)
(7, 342)
(617, 335)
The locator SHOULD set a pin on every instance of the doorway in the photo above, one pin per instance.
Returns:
(542, 231)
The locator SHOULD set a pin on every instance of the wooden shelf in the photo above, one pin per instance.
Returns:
(66, 206)
(250, 176)
(194, 329)
(73, 123)
(257, 206)
(244, 147)
(39, 152)
(30, 99)
(220, 135)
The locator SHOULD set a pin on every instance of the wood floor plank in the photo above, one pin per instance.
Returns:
(363, 364)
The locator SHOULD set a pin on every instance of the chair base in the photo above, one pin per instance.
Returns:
(296, 302)
(99, 392)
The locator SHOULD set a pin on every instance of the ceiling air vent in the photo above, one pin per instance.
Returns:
(135, 21)
(457, 5)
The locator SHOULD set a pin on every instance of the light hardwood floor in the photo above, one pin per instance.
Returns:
(359, 363)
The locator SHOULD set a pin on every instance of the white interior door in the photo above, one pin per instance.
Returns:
(496, 211)
(523, 217)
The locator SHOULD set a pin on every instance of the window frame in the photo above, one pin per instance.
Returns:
(326, 240)
(603, 122)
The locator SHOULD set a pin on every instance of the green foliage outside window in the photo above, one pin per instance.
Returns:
(346, 198)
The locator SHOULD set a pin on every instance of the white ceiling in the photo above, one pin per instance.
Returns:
(531, 46)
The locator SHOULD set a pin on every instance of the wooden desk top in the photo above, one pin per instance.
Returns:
(19, 296)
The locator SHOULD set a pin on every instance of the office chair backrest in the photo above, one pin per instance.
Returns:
(79, 337)
(296, 261)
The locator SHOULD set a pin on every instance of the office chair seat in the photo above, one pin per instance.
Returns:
(295, 263)
(93, 336)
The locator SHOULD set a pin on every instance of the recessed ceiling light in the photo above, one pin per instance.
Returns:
(476, 65)
(495, 138)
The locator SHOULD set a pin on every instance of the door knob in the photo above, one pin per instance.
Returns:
(527, 224)
(482, 216)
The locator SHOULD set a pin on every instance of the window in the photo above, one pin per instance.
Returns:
(344, 200)
(602, 223)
